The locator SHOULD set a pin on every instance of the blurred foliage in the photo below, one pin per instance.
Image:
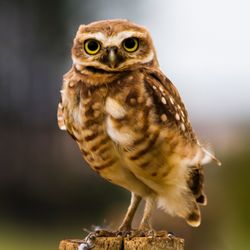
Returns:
(47, 192)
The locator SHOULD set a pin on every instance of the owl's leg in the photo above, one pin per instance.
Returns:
(145, 224)
(127, 221)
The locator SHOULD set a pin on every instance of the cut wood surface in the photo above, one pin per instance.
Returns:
(119, 243)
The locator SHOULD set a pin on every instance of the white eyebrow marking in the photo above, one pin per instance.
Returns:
(111, 40)
(98, 36)
(114, 40)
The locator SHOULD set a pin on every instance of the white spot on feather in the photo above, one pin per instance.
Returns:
(177, 116)
(63, 127)
(183, 127)
(163, 100)
(171, 100)
(163, 117)
(114, 108)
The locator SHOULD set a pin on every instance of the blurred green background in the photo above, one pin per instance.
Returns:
(47, 193)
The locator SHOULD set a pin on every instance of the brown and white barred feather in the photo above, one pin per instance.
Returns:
(160, 153)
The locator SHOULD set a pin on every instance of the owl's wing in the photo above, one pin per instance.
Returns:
(168, 102)
(60, 117)
(171, 110)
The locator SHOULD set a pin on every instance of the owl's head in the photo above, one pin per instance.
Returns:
(112, 46)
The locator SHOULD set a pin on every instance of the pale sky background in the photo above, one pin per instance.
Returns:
(202, 46)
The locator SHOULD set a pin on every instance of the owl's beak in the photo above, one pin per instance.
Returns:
(112, 57)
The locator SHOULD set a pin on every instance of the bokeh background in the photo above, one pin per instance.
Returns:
(47, 193)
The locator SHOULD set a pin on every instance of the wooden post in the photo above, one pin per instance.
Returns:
(163, 242)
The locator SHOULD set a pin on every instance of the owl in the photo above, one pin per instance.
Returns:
(130, 123)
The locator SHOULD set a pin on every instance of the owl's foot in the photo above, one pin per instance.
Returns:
(131, 233)
(104, 233)
(124, 231)
(125, 228)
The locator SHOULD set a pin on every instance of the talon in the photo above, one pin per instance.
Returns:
(141, 234)
(151, 233)
(103, 233)
(124, 233)
(171, 234)
(119, 233)
(144, 233)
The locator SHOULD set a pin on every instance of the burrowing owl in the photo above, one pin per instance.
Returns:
(130, 122)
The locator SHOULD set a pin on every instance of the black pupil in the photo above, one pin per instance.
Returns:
(92, 45)
(129, 43)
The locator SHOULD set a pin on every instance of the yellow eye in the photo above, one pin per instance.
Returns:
(92, 46)
(131, 44)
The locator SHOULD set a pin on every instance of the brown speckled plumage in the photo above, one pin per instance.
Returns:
(131, 124)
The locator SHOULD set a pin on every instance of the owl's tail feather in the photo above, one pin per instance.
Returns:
(177, 204)
(194, 218)
(190, 212)
(202, 199)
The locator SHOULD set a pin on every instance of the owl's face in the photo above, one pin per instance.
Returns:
(112, 46)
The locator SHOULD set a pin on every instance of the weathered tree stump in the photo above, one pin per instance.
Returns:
(119, 243)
